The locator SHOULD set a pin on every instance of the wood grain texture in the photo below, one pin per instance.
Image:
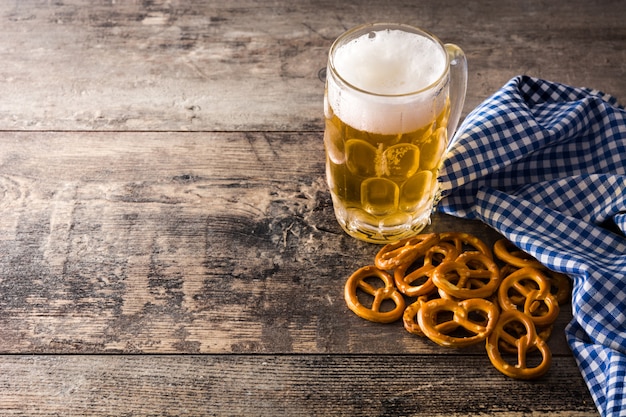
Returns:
(167, 241)
(126, 243)
(253, 65)
(311, 385)
(181, 242)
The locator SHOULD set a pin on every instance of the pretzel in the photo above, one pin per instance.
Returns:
(388, 292)
(471, 275)
(404, 251)
(409, 318)
(533, 288)
(507, 252)
(459, 292)
(559, 283)
(465, 239)
(434, 256)
(524, 343)
(515, 298)
(517, 329)
(463, 315)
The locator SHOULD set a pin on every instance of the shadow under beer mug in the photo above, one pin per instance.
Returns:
(393, 97)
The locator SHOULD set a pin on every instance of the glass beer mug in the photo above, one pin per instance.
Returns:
(393, 98)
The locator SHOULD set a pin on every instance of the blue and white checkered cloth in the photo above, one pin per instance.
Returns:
(545, 165)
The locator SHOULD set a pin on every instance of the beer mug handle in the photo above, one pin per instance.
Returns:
(458, 88)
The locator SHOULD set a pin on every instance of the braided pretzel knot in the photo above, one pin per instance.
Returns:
(529, 289)
(465, 239)
(435, 255)
(524, 343)
(471, 275)
(559, 283)
(404, 251)
(517, 329)
(387, 292)
(476, 316)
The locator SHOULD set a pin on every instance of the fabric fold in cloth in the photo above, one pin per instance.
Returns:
(545, 165)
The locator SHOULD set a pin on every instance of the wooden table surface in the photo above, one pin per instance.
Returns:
(167, 241)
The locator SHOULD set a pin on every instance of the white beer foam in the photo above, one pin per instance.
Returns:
(390, 63)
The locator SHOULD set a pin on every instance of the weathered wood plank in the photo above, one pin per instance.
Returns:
(252, 65)
(235, 385)
(224, 244)
(181, 242)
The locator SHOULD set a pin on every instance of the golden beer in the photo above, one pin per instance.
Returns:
(387, 111)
